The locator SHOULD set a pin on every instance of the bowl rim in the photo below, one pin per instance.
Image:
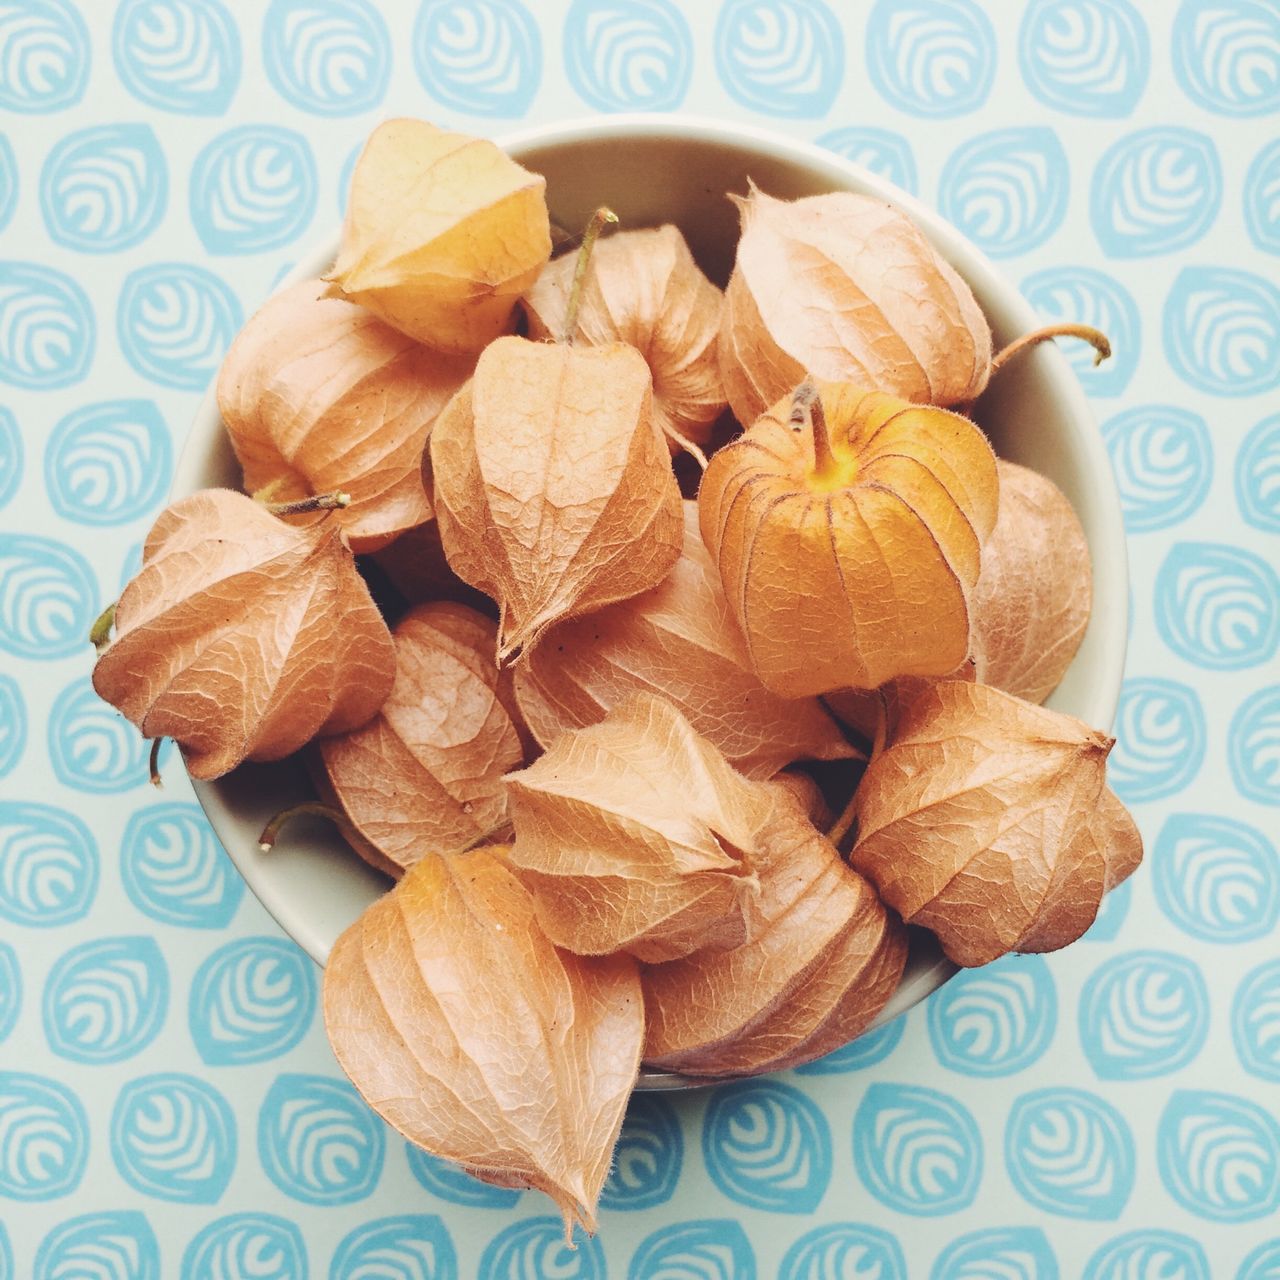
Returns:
(1111, 586)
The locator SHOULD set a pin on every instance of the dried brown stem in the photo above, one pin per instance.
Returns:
(1094, 337)
(334, 501)
(308, 808)
(844, 823)
(599, 220)
(153, 762)
(806, 407)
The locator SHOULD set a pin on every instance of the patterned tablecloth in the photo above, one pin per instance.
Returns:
(168, 1105)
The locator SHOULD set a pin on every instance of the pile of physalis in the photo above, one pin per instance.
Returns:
(597, 732)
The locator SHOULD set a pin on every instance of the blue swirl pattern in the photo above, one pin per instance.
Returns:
(246, 1246)
(318, 1142)
(931, 58)
(409, 1247)
(916, 1150)
(117, 1245)
(535, 1247)
(8, 181)
(47, 597)
(480, 57)
(628, 55)
(995, 1020)
(10, 990)
(1263, 1263)
(48, 865)
(1255, 1022)
(1216, 878)
(1160, 739)
(869, 1049)
(648, 1158)
(175, 871)
(1258, 476)
(47, 333)
(1162, 457)
(331, 58)
(1226, 55)
(1222, 331)
(44, 1137)
(108, 463)
(1010, 1253)
(106, 999)
(11, 456)
(177, 55)
(1149, 1255)
(1085, 57)
(885, 153)
(1262, 199)
(448, 1181)
(844, 1249)
(175, 322)
(1219, 1156)
(44, 56)
(1111, 915)
(1007, 189)
(766, 1145)
(174, 1137)
(252, 188)
(105, 188)
(708, 1249)
(13, 724)
(92, 747)
(251, 1000)
(1143, 1014)
(1253, 746)
(1070, 1153)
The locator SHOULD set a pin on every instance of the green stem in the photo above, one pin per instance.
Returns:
(100, 632)
(844, 823)
(308, 808)
(599, 220)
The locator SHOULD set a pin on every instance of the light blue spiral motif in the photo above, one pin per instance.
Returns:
(1216, 878)
(48, 597)
(1226, 55)
(1160, 740)
(44, 55)
(1163, 462)
(885, 153)
(995, 1020)
(931, 58)
(1149, 1255)
(708, 1249)
(13, 724)
(105, 188)
(628, 55)
(329, 57)
(92, 747)
(46, 327)
(8, 181)
(916, 1150)
(447, 1181)
(1085, 57)
(48, 865)
(178, 55)
(850, 1249)
(1007, 189)
(174, 1137)
(252, 188)
(869, 1049)
(1255, 1022)
(251, 1000)
(11, 456)
(766, 1145)
(246, 1246)
(1219, 1156)
(10, 991)
(1143, 1014)
(108, 463)
(1262, 1263)
(106, 999)
(1262, 199)
(1258, 476)
(1155, 191)
(1222, 331)
(318, 1142)
(44, 1137)
(648, 1157)
(1068, 1152)
(1253, 746)
(413, 1246)
(535, 1248)
(480, 57)
(1218, 606)
(1009, 1253)
(175, 322)
(118, 1245)
(175, 871)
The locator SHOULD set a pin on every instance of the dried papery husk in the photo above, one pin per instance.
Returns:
(473, 1036)
(1030, 607)
(320, 395)
(443, 234)
(426, 772)
(645, 289)
(636, 835)
(678, 640)
(846, 288)
(847, 527)
(822, 962)
(242, 638)
(986, 819)
(553, 487)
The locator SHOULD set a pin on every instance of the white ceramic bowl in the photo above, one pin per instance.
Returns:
(652, 169)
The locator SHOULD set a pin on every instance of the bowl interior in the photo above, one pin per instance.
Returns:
(652, 170)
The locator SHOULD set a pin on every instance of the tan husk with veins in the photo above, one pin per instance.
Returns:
(471, 1034)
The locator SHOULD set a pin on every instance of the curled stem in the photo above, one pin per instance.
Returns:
(153, 762)
(334, 501)
(844, 823)
(312, 808)
(100, 632)
(806, 407)
(1098, 340)
(599, 220)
